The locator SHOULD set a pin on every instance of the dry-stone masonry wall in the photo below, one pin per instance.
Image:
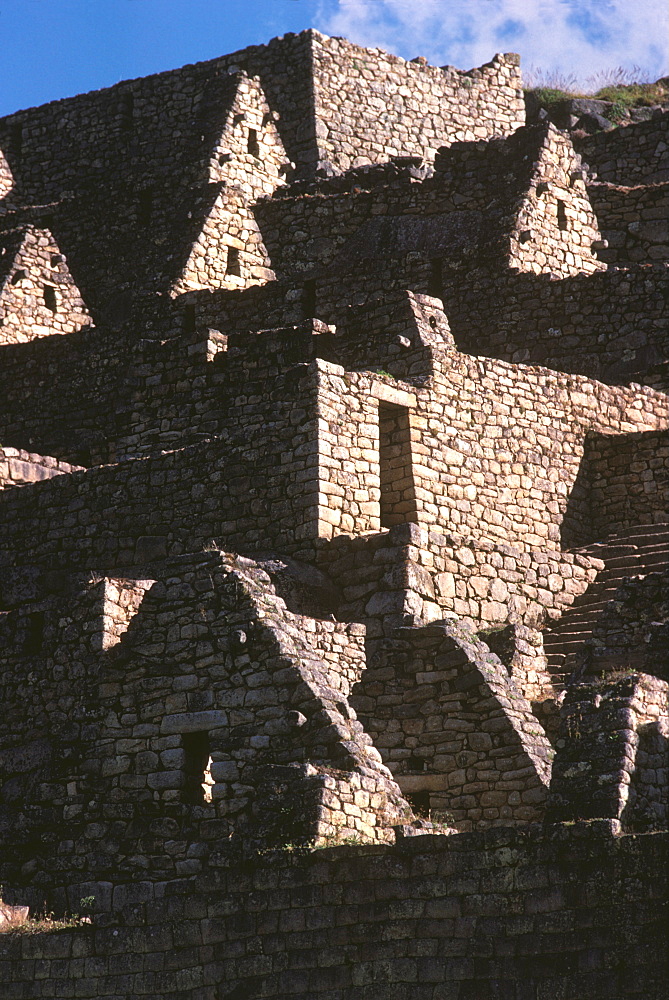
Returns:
(638, 154)
(612, 759)
(371, 106)
(568, 911)
(323, 397)
(459, 737)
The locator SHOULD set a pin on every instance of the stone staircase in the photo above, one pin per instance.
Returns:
(636, 552)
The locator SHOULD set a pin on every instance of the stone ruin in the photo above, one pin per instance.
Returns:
(334, 464)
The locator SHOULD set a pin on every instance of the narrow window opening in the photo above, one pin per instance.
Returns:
(233, 264)
(145, 210)
(398, 498)
(189, 319)
(252, 143)
(16, 140)
(127, 112)
(56, 259)
(34, 636)
(435, 285)
(309, 299)
(415, 764)
(217, 343)
(419, 802)
(562, 216)
(18, 276)
(50, 300)
(197, 768)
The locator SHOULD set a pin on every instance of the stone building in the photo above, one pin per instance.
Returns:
(333, 485)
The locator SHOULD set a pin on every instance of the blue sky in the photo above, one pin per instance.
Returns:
(56, 48)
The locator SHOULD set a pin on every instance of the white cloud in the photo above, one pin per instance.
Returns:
(579, 37)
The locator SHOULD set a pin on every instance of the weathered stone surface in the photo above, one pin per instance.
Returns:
(326, 377)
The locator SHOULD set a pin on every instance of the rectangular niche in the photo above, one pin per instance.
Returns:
(198, 781)
(398, 496)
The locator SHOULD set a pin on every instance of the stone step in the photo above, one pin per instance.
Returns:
(632, 554)
(568, 626)
(568, 646)
(597, 548)
(656, 558)
(619, 561)
(555, 659)
(593, 606)
(641, 529)
(661, 546)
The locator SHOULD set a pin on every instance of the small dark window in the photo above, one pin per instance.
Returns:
(197, 768)
(145, 209)
(435, 285)
(56, 259)
(309, 299)
(252, 143)
(189, 319)
(16, 140)
(18, 276)
(127, 112)
(419, 802)
(50, 300)
(562, 216)
(34, 635)
(415, 764)
(233, 266)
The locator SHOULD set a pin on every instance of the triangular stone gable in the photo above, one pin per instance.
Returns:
(249, 149)
(247, 162)
(229, 252)
(6, 178)
(443, 710)
(555, 225)
(265, 692)
(38, 295)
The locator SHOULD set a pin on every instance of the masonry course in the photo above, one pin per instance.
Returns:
(333, 484)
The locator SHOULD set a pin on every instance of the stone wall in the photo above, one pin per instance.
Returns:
(514, 913)
(472, 472)
(518, 494)
(294, 72)
(79, 395)
(556, 230)
(521, 198)
(632, 633)
(633, 221)
(627, 479)
(612, 755)
(306, 290)
(139, 523)
(609, 326)
(419, 107)
(637, 154)
(153, 726)
(459, 737)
